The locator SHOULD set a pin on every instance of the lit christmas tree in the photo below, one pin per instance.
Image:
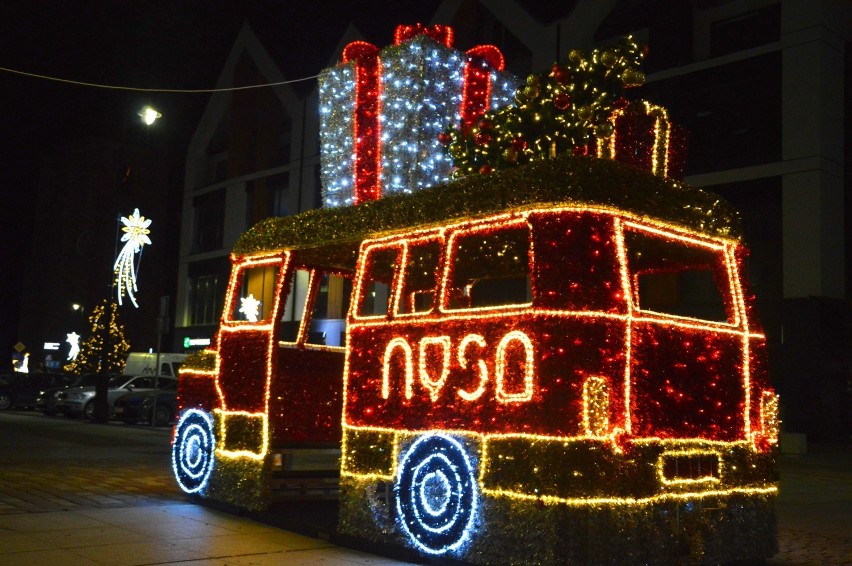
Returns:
(105, 350)
(563, 110)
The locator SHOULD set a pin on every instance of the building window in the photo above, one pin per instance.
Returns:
(205, 300)
(279, 189)
(208, 222)
(745, 31)
(732, 113)
(207, 280)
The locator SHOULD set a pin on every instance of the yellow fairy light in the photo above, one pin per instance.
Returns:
(395, 343)
(529, 368)
(769, 412)
(480, 365)
(434, 385)
(596, 406)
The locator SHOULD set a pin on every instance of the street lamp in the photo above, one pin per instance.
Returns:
(149, 115)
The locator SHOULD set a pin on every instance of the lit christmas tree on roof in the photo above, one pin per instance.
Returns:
(561, 111)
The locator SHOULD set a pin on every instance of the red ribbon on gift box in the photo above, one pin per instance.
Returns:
(366, 131)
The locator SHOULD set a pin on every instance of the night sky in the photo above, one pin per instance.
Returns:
(170, 44)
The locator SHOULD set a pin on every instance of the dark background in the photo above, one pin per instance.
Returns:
(156, 44)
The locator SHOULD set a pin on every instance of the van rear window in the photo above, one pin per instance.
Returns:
(490, 268)
(421, 277)
(677, 277)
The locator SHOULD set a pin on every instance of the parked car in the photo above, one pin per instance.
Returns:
(48, 398)
(137, 406)
(22, 389)
(77, 401)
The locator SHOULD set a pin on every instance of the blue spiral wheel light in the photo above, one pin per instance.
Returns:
(194, 450)
(436, 494)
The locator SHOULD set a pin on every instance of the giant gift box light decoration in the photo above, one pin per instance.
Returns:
(381, 111)
(581, 422)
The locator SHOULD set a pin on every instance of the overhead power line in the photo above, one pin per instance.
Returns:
(140, 89)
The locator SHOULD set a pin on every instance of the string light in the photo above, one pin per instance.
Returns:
(147, 89)
(596, 406)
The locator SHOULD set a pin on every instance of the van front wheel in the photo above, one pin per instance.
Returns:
(436, 494)
(194, 450)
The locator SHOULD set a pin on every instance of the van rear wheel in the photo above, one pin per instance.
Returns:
(436, 493)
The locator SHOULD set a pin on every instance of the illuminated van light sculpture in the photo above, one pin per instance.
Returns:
(544, 358)
(548, 361)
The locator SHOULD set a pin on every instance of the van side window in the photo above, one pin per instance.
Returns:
(420, 278)
(331, 303)
(293, 308)
(490, 268)
(377, 278)
(254, 297)
(676, 277)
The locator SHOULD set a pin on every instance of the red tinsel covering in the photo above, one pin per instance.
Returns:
(242, 373)
(567, 351)
(305, 400)
(645, 138)
(197, 391)
(686, 383)
(367, 130)
(688, 377)
(581, 268)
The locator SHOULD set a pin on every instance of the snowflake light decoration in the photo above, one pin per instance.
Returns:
(250, 307)
(135, 235)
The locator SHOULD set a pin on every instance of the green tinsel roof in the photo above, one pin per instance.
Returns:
(565, 180)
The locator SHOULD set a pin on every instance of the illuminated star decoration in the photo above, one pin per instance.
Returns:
(74, 340)
(135, 235)
(250, 307)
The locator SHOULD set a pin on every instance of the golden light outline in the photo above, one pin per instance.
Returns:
(434, 386)
(596, 406)
(661, 462)
(223, 433)
(480, 364)
(529, 368)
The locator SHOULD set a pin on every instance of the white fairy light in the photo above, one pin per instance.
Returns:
(250, 307)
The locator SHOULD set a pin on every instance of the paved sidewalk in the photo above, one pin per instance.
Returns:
(815, 507)
(83, 494)
(175, 534)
